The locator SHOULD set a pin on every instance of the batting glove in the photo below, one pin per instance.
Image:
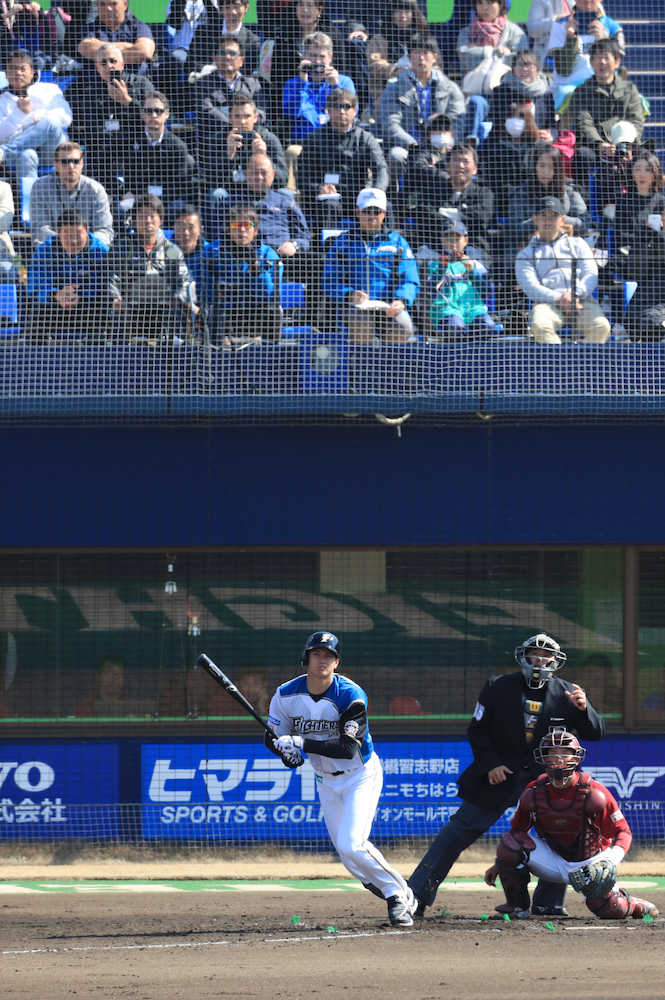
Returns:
(287, 744)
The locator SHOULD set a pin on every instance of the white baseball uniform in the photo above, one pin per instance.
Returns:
(349, 776)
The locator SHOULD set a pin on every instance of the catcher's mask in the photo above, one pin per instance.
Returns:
(538, 658)
(560, 754)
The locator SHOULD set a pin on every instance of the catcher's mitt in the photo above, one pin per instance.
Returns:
(594, 880)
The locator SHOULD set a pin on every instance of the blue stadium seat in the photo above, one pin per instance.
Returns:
(293, 295)
(293, 300)
(9, 311)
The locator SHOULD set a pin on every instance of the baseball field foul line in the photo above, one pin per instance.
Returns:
(195, 944)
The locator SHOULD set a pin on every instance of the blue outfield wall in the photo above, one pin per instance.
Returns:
(317, 486)
(238, 792)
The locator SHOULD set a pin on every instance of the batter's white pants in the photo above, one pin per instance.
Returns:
(348, 802)
(547, 864)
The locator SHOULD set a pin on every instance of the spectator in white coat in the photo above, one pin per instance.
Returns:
(33, 117)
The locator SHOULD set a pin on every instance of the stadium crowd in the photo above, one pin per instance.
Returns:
(416, 182)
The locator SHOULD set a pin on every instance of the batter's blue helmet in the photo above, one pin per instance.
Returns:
(321, 640)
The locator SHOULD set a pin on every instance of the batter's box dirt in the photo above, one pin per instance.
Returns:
(200, 946)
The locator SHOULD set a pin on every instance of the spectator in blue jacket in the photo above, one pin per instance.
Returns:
(373, 275)
(305, 96)
(66, 282)
(247, 275)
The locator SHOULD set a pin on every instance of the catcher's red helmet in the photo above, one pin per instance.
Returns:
(560, 753)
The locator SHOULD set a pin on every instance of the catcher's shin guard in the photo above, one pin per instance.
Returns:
(618, 904)
(514, 882)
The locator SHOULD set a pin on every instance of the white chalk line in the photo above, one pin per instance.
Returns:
(291, 939)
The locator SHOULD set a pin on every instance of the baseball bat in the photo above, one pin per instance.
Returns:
(227, 684)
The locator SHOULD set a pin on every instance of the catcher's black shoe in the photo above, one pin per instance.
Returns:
(549, 911)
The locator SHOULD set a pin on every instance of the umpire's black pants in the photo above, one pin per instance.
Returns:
(465, 827)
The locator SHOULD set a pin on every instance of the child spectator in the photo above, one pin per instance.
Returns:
(459, 279)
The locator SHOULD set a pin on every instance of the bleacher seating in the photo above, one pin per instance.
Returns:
(645, 39)
(299, 289)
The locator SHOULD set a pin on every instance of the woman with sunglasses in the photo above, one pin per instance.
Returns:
(248, 276)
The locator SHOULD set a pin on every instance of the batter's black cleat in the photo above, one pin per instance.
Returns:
(399, 910)
(549, 911)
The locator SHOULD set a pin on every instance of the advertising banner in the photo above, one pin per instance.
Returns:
(50, 791)
(240, 791)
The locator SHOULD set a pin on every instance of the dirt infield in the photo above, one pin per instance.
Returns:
(295, 944)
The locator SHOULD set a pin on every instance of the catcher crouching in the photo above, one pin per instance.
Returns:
(567, 828)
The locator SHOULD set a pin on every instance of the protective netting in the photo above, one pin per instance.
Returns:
(111, 635)
(112, 734)
(282, 210)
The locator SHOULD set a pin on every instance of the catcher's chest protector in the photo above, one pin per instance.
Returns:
(564, 823)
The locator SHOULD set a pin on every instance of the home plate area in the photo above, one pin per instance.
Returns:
(177, 939)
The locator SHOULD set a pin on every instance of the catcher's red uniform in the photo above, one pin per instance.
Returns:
(577, 821)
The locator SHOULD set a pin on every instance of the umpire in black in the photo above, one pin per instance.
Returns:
(512, 714)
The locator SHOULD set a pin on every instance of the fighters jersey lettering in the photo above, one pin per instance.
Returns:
(326, 717)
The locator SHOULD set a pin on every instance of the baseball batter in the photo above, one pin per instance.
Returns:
(324, 715)
(567, 828)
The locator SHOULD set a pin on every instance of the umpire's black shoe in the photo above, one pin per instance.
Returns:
(419, 911)
(549, 911)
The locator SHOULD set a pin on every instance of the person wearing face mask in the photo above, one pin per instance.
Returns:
(505, 153)
(524, 84)
(441, 182)
(512, 714)
(570, 829)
